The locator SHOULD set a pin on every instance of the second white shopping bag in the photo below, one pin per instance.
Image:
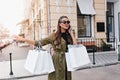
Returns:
(76, 57)
(39, 62)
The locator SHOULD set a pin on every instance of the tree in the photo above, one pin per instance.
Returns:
(4, 32)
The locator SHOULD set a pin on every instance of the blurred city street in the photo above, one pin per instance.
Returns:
(17, 52)
(106, 68)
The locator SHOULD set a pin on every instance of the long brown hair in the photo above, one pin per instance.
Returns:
(58, 32)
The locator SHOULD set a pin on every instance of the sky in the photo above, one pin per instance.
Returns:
(11, 13)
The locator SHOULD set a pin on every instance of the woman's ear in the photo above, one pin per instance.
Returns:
(60, 25)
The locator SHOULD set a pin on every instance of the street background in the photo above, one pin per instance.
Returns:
(106, 66)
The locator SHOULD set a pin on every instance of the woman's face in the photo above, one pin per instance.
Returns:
(64, 24)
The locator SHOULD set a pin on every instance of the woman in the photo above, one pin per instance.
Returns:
(59, 41)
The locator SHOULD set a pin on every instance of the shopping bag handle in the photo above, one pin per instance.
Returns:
(77, 45)
(39, 47)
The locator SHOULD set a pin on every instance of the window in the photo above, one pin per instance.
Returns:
(110, 32)
(85, 10)
(84, 24)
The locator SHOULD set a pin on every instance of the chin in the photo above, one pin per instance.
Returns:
(66, 27)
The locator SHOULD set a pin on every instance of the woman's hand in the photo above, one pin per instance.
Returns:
(18, 38)
(71, 32)
(72, 35)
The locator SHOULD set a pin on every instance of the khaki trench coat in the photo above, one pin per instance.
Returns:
(58, 58)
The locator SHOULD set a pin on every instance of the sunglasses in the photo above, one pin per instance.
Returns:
(64, 22)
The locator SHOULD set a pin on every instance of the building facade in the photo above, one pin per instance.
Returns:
(89, 18)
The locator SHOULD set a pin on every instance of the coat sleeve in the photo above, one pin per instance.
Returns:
(45, 41)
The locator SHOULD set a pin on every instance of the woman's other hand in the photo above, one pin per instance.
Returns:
(18, 38)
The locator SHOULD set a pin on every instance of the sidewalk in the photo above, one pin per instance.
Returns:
(101, 59)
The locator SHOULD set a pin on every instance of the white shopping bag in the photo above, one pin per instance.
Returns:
(39, 62)
(76, 57)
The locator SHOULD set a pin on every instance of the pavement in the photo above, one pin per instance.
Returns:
(99, 73)
(106, 66)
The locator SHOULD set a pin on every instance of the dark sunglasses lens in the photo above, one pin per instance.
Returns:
(66, 22)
